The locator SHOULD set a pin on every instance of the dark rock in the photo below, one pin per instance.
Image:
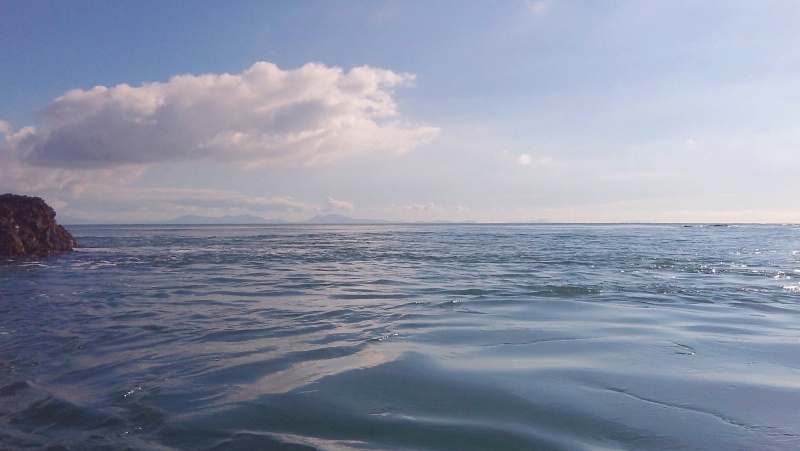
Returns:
(28, 227)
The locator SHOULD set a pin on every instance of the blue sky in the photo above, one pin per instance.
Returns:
(507, 111)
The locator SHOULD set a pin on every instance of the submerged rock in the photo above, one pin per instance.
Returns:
(28, 227)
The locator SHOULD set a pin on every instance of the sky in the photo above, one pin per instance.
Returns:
(502, 111)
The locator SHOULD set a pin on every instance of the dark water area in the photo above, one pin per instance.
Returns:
(405, 337)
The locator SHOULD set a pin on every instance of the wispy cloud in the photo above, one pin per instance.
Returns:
(16, 176)
(208, 198)
(132, 204)
(427, 208)
(537, 7)
(331, 204)
(422, 210)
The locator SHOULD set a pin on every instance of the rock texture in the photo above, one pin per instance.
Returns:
(28, 227)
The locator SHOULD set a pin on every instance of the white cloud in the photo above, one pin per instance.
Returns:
(263, 116)
(536, 7)
(528, 160)
(17, 177)
(331, 204)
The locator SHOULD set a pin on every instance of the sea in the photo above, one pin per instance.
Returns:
(405, 337)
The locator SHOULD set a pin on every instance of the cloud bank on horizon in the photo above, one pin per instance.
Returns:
(264, 116)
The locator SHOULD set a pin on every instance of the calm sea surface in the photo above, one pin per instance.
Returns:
(405, 337)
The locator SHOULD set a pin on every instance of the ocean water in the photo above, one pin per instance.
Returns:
(405, 337)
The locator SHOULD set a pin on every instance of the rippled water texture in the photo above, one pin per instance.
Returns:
(402, 337)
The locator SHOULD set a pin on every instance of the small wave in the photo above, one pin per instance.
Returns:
(450, 303)
(385, 337)
(683, 349)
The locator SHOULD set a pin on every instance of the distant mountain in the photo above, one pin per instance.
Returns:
(339, 219)
(227, 219)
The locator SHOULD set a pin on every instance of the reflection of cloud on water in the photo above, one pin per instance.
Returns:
(304, 373)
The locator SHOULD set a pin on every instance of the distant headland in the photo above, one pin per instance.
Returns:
(28, 228)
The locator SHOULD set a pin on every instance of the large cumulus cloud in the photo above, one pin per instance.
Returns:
(263, 116)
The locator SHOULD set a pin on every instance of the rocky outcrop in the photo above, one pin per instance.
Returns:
(28, 227)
